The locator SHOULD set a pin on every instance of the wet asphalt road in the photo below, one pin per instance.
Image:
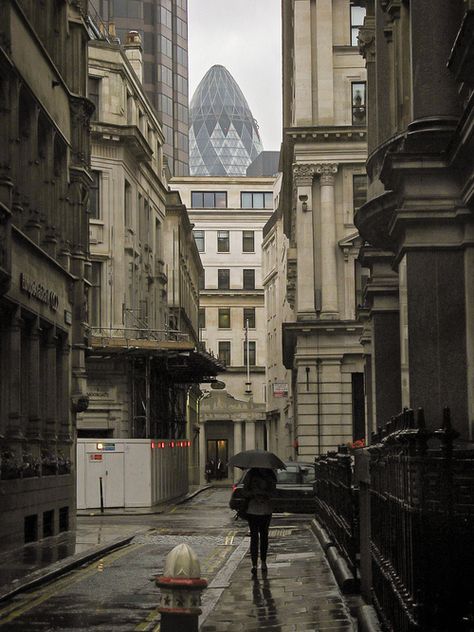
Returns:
(118, 591)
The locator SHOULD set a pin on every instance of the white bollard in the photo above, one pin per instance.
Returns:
(180, 591)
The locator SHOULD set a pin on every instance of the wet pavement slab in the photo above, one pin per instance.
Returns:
(299, 592)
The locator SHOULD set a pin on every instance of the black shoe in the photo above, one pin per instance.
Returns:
(264, 567)
(254, 570)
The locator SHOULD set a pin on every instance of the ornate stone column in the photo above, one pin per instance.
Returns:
(65, 436)
(329, 303)
(303, 179)
(34, 412)
(14, 430)
(52, 404)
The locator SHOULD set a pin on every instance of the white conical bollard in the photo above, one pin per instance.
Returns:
(180, 587)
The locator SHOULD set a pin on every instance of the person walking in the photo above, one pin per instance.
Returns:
(259, 485)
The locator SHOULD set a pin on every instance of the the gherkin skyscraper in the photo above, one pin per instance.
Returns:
(223, 135)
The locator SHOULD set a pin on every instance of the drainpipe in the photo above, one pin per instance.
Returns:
(318, 409)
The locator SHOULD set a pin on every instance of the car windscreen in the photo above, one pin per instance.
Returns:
(289, 476)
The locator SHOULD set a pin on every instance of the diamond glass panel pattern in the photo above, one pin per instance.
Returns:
(223, 135)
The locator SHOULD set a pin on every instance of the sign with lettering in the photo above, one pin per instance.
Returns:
(35, 289)
(280, 389)
(95, 457)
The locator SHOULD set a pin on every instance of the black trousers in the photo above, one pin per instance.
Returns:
(259, 526)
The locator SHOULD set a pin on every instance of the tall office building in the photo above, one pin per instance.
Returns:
(163, 27)
(223, 135)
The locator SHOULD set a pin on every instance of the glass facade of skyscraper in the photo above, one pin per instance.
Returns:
(223, 135)
(163, 27)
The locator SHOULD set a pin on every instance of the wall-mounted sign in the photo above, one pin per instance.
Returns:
(95, 457)
(106, 447)
(280, 389)
(35, 289)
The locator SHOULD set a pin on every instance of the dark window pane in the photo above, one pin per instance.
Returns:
(249, 317)
(197, 199)
(249, 279)
(93, 90)
(94, 196)
(223, 279)
(246, 200)
(199, 239)
(202, 318)
(208, 200)
(248, 241)
(358, 103)
(221, 200)
(224, 318)
(251, 352)
(224, 351)
(222, 241)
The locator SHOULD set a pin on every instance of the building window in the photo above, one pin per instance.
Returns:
(359, 191)
(249, 280)
(127, 194)
(224, 317)
(182, 56)
(358, 103)
(224, 352)
(165, 75)
(94, 90)
(181, 28)
(256, 199)
(249, 317)
(252, 346)
(223, 279)
(199, 238)
(248, 241)
(362, 276)
(202, 318)
(95, 292)
(165, 46)
(208, 199)
(357, 20)
(94, 196)
(223, 241)
(165, 17)
(165, 104)
(202, 280)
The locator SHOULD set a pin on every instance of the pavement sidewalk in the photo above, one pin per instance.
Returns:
(299, 592)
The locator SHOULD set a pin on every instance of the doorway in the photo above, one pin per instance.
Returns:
(218, 452)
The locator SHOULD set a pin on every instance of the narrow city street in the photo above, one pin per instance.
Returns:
(118, 590)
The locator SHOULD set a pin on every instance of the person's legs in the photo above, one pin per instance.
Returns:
(264, 527)
(254, 528)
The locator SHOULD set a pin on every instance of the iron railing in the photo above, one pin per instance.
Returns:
(336, 502)
(422, 525)
(138, 333)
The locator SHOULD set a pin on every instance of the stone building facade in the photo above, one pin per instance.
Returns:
(44, 260)
(418, 222)
(228, 214)
(143, 365)
(324, 151)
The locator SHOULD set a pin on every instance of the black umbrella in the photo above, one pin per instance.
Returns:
(257, 458)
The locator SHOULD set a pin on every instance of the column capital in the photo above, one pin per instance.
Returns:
(366, 39)
(303, 174)
(327, 172)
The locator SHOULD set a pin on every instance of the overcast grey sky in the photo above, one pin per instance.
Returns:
(245, 37)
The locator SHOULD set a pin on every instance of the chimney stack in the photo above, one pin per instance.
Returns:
(134, 51)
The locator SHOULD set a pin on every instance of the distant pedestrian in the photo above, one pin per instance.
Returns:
(208, 471)
(259, 486)
(220, 469)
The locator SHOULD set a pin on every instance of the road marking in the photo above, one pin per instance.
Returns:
(221, 581)
(153, 619)
(16, 610)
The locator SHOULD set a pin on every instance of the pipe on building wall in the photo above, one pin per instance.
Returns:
(318, 406)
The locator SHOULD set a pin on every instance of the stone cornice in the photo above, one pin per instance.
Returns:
(327, 135)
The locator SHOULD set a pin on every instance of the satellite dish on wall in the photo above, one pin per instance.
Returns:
(218, 385)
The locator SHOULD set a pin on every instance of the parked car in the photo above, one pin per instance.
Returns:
(294, 489)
